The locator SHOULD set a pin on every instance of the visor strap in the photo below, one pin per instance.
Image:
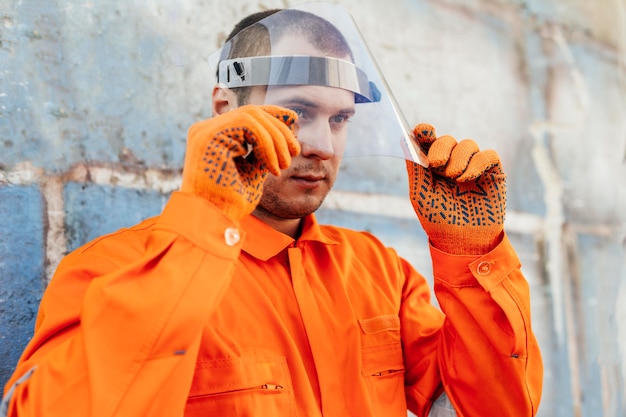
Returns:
(297, 70)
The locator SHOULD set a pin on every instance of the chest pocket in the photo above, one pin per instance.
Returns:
(383, 364)
(244, 386)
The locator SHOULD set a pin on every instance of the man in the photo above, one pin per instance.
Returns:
(236, 302)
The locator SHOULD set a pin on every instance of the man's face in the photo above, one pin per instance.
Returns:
(323, 118)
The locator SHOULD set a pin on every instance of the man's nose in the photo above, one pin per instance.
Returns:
(316, 140)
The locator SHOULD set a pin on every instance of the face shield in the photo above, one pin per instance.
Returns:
(312, 59)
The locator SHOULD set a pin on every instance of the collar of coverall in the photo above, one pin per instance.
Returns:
(263, 242)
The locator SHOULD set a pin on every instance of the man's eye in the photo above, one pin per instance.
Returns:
(340, 118)
(298, 111)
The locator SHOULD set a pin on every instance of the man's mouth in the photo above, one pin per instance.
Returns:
(309, 177)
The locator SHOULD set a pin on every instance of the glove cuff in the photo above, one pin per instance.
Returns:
(470, 242)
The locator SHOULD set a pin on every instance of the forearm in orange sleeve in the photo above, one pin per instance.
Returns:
(489, 359)
(133, 351)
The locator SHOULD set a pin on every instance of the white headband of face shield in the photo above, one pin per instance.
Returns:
(298, 70)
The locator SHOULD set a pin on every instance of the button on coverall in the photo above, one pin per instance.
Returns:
(189, 313)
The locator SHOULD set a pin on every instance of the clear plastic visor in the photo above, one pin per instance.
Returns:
(313, 60)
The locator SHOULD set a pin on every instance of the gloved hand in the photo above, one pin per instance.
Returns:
(460, 199)
(215, 167)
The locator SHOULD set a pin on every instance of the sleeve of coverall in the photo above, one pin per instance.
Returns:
(488, 357)
(132, 351)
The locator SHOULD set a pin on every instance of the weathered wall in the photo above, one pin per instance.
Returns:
(96, 97)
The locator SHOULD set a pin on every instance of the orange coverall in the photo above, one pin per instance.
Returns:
(190, 313)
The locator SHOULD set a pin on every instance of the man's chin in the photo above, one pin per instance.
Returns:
(289, 210)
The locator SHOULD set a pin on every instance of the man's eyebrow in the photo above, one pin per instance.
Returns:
(347, 110)
(302, 101)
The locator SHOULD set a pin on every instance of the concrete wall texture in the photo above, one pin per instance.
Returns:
(96, 97)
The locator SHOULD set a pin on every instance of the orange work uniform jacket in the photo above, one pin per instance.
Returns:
(191, 314)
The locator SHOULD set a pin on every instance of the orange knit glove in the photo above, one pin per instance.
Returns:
(460, 199)
(215, 167)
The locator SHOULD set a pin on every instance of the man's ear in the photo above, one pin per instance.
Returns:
(223, 99)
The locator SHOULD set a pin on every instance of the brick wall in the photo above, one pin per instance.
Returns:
(96, 97)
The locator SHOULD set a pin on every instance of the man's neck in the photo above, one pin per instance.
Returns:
(290, 227)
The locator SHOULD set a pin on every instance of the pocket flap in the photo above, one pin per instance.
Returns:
(239, 373)
(380, 324)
